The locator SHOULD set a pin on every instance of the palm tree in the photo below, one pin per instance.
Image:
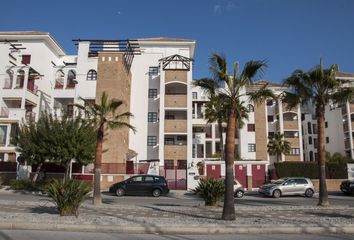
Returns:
(234, 90)
(105, 116)
(277, 145)
(319, 87)
(215, 108)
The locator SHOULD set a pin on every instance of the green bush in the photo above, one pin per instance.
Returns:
(68, 194)
(211, 190)
(27, 185)
(334, 170)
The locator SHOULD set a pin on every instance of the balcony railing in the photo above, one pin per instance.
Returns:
(8, 83)
(30, 116)
(4, 112)
(176, 100)
(179, 126)
(175, 152)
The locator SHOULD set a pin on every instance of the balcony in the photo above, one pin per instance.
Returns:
(30, 116)
(175, 126)
(180, 76)
(59, 84)
(176, 101)
(347, 143)
(294, 142)
(32, 87)
(7, 83)
(291, 125)
(172, 152)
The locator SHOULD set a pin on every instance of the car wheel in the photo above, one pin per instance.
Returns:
(239, 194)
(120, 192)
(156, 193)
(309, 193)
(276, 193)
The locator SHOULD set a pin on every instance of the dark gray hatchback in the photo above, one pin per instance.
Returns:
(141, 185)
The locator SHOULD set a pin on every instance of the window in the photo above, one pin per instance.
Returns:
(327, 139)
(3, 133)
(152, 117)
(251, 147)
(326, 124)
(2, 157)
(91, 75)
(194, 95)
(26, 59)
(169, 164)
(251, 127)
(169, 141)
(250, 108)
(294, 151)
(181, 138)
(309, 129)
(151, 140)
(270, 103)
(152, 93)
(71, 79)
(20, 79)
(315, 142)
(310, 140)
(311, 156)
(13, 132)
(149, 179)
(153, 71)
(316, 157)
(138, 179)
(181, 164)
(9, 79)
(59, 79)
(270, 118)
(270, 134)
(301, 181)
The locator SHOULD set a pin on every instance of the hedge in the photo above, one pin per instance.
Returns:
(310, 170)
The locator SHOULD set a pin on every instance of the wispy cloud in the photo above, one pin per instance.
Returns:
(217, 9)
(230, 5)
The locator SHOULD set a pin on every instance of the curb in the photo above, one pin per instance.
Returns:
(183, 229)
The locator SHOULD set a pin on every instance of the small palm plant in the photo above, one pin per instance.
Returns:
(68, 194)
(278, 146)
(211, 190)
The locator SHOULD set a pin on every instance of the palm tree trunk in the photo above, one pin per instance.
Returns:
(97, 200)
(229, 205)
(323, 195)
(222, 153)
(37, 172)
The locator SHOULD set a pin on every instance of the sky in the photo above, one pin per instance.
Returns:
(288, 34)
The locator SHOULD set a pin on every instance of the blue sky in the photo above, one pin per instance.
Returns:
(289, 34)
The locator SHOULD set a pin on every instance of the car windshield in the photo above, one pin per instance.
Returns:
(279, 181)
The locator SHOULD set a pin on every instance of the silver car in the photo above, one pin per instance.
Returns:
(288, 186)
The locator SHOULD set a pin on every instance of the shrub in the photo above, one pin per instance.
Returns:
(334, 170)
(68, 194)
(211, 190)
(27, 185)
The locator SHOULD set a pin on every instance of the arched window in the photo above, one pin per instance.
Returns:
(9, 79)
(59, 79)
(250, 108)
(71, 79)
(311, 156)
(92, 75)
(20, 79)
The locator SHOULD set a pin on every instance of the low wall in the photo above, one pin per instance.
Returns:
(332, 184)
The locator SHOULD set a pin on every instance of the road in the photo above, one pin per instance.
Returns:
(336, 199)
(55, 235)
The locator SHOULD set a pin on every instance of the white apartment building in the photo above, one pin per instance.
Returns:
(151, 75)
(338, 127)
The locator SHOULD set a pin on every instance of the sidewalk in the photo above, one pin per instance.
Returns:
(176, 219)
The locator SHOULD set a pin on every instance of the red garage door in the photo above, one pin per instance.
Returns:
(258, 175)
(241, 174)
(214, 171)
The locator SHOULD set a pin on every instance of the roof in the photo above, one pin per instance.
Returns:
(20, 35)
(166, 39)
(344, 75)
(270, 84)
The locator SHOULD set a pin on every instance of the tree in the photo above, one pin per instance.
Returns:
(104, 116)
(215, 108)
(319, 87)
(235, 85)
(277, 145)
(56, 140)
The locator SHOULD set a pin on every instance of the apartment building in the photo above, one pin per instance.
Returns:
(339, 134)
(152, 76)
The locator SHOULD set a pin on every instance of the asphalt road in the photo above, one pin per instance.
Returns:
(56, 235)
(253, 199)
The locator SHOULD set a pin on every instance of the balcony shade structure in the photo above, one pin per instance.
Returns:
(14, 47)
(128, 47)
(176, 62)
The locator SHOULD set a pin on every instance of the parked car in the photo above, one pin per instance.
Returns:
(141, 185)
(239, 191)
(288, 186)
(347, 187)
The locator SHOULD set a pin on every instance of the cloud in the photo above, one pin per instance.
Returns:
(217, 10)
(230, 5)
